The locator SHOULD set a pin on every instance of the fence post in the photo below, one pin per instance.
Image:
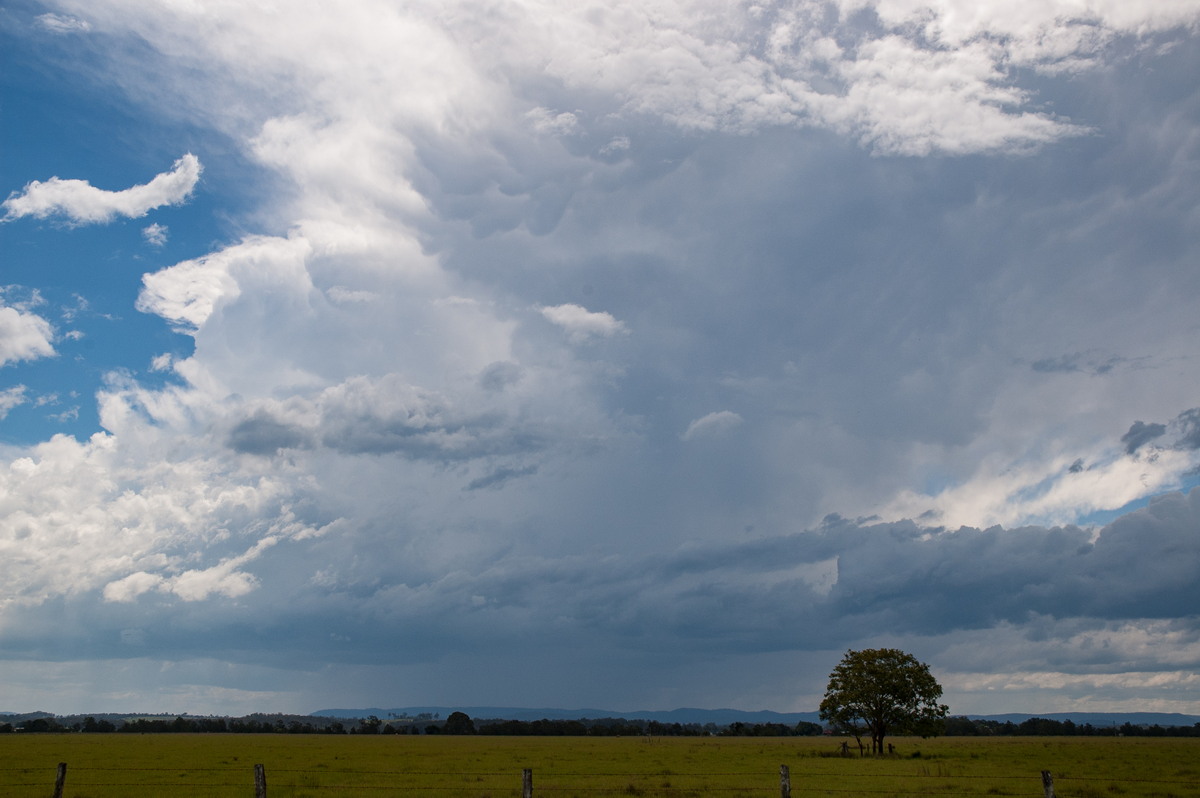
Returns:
(785, 782)
(260, 781)
(527, 783)
(1048, 783)
(60, 779)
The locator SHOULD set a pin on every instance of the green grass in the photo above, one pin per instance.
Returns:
(322, 766)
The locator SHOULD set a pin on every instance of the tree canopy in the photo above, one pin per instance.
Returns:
(883, 690)
(459, 723)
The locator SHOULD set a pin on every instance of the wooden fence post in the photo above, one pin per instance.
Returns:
(1048, 783)
(527, 783)
(785, 782)
(60, 779)
(260, 781)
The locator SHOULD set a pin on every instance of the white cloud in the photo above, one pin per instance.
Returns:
(61, 24)
(581, 323)
(223, 579)
(343, 296)
(616, 146)
(712, 424)
(23, 335)
(155, 234)
(10, 398)
(1046, 492)
(187, 293)
(82, 203)
(546, 121)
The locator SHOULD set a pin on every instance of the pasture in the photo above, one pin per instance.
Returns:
(323, 766)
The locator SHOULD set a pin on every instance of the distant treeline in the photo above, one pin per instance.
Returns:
(620, 727)
(460, 723)
(180, 725)
(261, 724)
(1045, 727)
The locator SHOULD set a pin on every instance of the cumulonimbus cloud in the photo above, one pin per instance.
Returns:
(82, 203)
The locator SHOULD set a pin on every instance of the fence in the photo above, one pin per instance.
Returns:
(573, 784)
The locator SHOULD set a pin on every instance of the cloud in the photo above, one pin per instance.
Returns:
(155, 235)
(187, 293)
(62, 24)
(23, 335)
(581, 323)
(370, 447)
(1187, 426)
(82, 203)
(500, 477)
(223, 579)
(712, 424)
(10, 398)
(546, 121)
(1090, 363)
(382, 416)
(1140, 434)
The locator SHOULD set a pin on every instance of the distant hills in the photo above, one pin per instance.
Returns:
(724, 717)
(721, 717)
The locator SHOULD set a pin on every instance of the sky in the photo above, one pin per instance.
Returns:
(632, 355)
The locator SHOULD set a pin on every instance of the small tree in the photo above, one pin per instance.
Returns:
(882, 690)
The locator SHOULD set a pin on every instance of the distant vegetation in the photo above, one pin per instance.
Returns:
(619, 727)
(456, 723)
(1044, 727)
(460, 723)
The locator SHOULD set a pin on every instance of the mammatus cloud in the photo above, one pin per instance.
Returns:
(23, 335)
(581, 323)
(712, 424)
(82, 203)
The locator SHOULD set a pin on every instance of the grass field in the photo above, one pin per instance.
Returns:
(322, 766)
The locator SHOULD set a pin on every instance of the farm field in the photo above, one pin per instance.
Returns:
(323, 766)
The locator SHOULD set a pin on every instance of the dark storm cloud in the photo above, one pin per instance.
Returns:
(1188, 424)
(499, 376)
(263, 435)
(1183, 431)
(387, 416)
(1140, 434)
(1080, 362)
(500, 477)
(825, 588)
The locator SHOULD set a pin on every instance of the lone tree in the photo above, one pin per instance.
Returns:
(459, 723)
(882, 690)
